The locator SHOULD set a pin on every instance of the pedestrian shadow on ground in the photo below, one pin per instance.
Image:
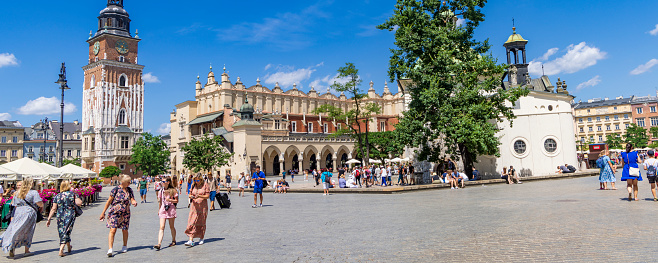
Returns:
(209, 240)
(42, 252)
(138, 248)
(78, 251)
(267, 205)
(42, 241)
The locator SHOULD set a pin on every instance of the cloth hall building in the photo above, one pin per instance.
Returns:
(282, 133)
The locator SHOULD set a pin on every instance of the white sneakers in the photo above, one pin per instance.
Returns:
(201, 242)
(124, 249)
(189, 243)
(110, 253)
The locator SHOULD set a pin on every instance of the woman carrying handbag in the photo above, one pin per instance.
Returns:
(631, 173)
(65, 205)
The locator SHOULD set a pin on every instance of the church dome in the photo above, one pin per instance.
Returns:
(114, 9)
(246, 107)
(515, 38)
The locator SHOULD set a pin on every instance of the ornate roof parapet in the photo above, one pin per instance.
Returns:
(312, 93)
(239, 85)
(342, 96)
(277, 88)
(386, 90)
(561, 86)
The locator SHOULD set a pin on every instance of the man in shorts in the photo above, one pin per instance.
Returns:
(143, 188)
(212, 186)
(228, 181)
(258, 177)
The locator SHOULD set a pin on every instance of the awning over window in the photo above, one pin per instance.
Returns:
(206, 118)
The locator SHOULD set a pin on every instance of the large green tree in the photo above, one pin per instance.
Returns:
(75, 161)
(205, 153)
(110, 171)
(614, 141)
(457, 99)
(636, 135)
(384, 144)
(150, 155)
(357, 118)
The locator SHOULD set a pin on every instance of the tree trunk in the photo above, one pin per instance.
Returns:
(367, 144)
(466, 160)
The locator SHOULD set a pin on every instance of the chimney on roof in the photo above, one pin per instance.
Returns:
(620, 97)
(76, 122)
(605, 98)
(590, 101)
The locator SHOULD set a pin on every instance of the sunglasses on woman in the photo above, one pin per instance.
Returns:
(196, 181)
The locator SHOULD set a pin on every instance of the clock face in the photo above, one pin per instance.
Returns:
(97, 47)
(122, 47)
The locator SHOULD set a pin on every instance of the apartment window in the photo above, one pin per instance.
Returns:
(640, 121)
(582, 129)
(50, 149)
(580, 120)
(340, 126)
(626, 125)
(625, 116)
(310, 127)
(589, 119)
(607, 127)
(69, 153)
(639, 110)
(14, 153)
(615, 108)
(600, 138)
(93, 144)
(293, 126)
(4, 139)
(591, 138)
(607, 118)
(582, 139)
(39, 135)
(277, 124)
(616, 126)
(14, 140)
(122, 117)
(122, 167)
(3, 153)
(599, 128)
(30, 149)
(86, 143)
(41, 149)
(78, 153)
(326, 128)
(616, 117)
(587, 110)
(124, 142)
(382, 126)
(50, 159)
(654, 121)
(591, 128)
(652, 109)
(598, 118)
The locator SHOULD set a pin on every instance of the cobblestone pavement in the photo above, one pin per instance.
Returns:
(567, 220)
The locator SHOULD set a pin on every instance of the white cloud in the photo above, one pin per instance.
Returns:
(548, 54)
(45, 106)
(322, 84)
(590, 83)
(578, 57)
(268, 66)
(150, 78)
(5, 116)
(644, 67)
(287, 78)
(461, 21)
(7, 59)
(164, 129)
(654, 32)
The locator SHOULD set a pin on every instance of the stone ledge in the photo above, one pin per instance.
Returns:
(401, 189)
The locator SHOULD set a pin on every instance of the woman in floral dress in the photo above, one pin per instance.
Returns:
(21, 229)
(121, 197)
(64, 204)
(607, 172)
(196, 223)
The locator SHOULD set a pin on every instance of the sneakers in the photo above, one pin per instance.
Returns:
(452, 188)
(261, 205)
(110, 253)
(124, 249)
(201, 242)
(324, 194)
(189, 243)
(254, 206)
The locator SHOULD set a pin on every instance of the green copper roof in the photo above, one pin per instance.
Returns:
(206, 118)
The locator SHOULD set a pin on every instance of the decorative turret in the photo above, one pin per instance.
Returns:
(211, 77)
(225, 76)
(386, 90)
(294, 86)
(513, 45)
(372, 86)
(198, 83)
(246, 110)
(114, 19)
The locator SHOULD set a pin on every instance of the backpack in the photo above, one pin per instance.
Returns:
(651, 170)
(571, 168)
(600, 163)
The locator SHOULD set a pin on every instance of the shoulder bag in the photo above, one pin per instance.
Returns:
(634, 172)
(36, 209)
(9, 215)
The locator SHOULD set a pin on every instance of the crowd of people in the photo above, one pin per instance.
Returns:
(630, 162)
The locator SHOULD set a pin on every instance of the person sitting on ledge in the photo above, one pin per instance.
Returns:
(284, 186)
(341, 182)
(563, 169)
(476, 175)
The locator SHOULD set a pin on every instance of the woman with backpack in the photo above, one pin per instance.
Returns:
(650, 166)
(607, 173)
(631, 173)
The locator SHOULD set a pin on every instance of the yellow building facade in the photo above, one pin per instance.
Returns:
(597, 119)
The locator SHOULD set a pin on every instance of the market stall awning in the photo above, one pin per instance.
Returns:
(206, 118)
(72, 171)
(8, 175)
(28, 167)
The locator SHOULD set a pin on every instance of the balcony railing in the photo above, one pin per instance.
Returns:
(314, 137)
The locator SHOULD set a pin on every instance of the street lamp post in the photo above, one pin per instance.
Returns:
(63, 86)
(44, 127)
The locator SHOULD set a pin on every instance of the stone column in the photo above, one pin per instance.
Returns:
(335, 158)
(300, 162)
(281, 162)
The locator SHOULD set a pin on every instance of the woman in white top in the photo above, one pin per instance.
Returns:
(241, 183)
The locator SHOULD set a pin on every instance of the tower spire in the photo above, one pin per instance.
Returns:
(115, 2)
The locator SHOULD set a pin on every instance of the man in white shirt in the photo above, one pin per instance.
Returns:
(464, 178)
(384, 176)
(378, 173)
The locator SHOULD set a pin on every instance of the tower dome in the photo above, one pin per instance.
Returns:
(246, 110)
(114, 19)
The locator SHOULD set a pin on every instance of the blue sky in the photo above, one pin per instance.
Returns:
(602, 50)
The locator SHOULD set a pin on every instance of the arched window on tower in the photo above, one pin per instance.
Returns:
(108, 22)
(122, 117)
(92, 82)
(120, 23)
(122, 81)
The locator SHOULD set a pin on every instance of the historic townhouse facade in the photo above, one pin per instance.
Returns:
(596, 119)
(11, 141)
(284, 133)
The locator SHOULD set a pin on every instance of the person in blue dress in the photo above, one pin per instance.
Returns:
(607, 174)
(629, 160)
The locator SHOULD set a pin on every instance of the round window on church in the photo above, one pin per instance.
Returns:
(550, 145)
(519, 147)
(550, 107)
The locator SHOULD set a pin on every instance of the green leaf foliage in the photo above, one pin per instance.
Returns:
(205, 153)
(75, 161)
(457, 101)
(384, 145)
(150, 155)
(356, 117)
(637, 136)
(110, 171)
(614, 141)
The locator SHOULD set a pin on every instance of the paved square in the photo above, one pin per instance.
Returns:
(556, 220)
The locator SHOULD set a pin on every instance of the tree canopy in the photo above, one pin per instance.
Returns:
(110, 171)
(385, 145)
(150, 155)
(637, 136)
(204, 154)
(457, 99)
